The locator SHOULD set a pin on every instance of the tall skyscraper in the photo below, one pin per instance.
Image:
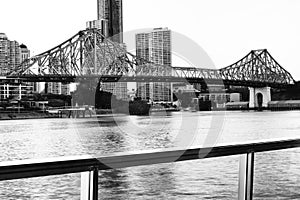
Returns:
(155, 46)
(100, 24)
(112, 12)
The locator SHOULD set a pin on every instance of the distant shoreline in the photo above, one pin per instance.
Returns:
(39, 115)
(25, 115)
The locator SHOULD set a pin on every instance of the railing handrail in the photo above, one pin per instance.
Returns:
(63, 165)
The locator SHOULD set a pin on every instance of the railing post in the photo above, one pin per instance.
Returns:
(89, 185)
(246, 176)
(95, 183)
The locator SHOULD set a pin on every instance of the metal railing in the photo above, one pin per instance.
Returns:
(90, 166)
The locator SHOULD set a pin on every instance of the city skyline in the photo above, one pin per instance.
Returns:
(225, 30)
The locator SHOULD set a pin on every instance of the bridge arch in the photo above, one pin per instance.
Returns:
(259, 97)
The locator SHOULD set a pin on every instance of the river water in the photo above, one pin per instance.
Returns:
(277, 174)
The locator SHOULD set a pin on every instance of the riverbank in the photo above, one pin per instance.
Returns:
(25, 115)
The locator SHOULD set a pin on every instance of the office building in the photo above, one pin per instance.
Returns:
(155, 46)
(112, 12)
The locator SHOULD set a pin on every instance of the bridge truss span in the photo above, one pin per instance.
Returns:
(75, 57)
(257, 66)
(89, 54)
(193, 72)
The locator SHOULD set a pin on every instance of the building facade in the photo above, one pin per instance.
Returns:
(119, 89)
(15, 91)
(155, 46)
(4, 53)
(11, 55)
(100, 24)
(59, 88)
(25, 52)
(112, 12)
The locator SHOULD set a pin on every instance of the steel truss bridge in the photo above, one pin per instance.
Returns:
(88, 54)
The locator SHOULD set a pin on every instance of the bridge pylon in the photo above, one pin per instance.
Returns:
(259, 97)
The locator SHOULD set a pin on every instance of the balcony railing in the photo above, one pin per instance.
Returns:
(90, 166)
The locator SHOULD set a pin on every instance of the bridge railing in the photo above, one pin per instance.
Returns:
(90, 166)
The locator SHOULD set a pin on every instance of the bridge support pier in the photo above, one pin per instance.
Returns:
(259, 97)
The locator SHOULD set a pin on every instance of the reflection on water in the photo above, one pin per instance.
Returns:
(277, 173)
(42, 188)
(281, 172)
(114, 183)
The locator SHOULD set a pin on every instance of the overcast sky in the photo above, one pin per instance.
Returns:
(226, 29)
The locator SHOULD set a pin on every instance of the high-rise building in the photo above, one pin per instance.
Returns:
(112, 12)
(25, 52)
(31, 86)
(93, 24)
(155, 46)
(14, 54)
(11, 55)
(3, 53)
(100, 24)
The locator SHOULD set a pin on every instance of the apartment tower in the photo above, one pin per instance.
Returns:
(11, 56)
(111, 13)
(155, 46)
